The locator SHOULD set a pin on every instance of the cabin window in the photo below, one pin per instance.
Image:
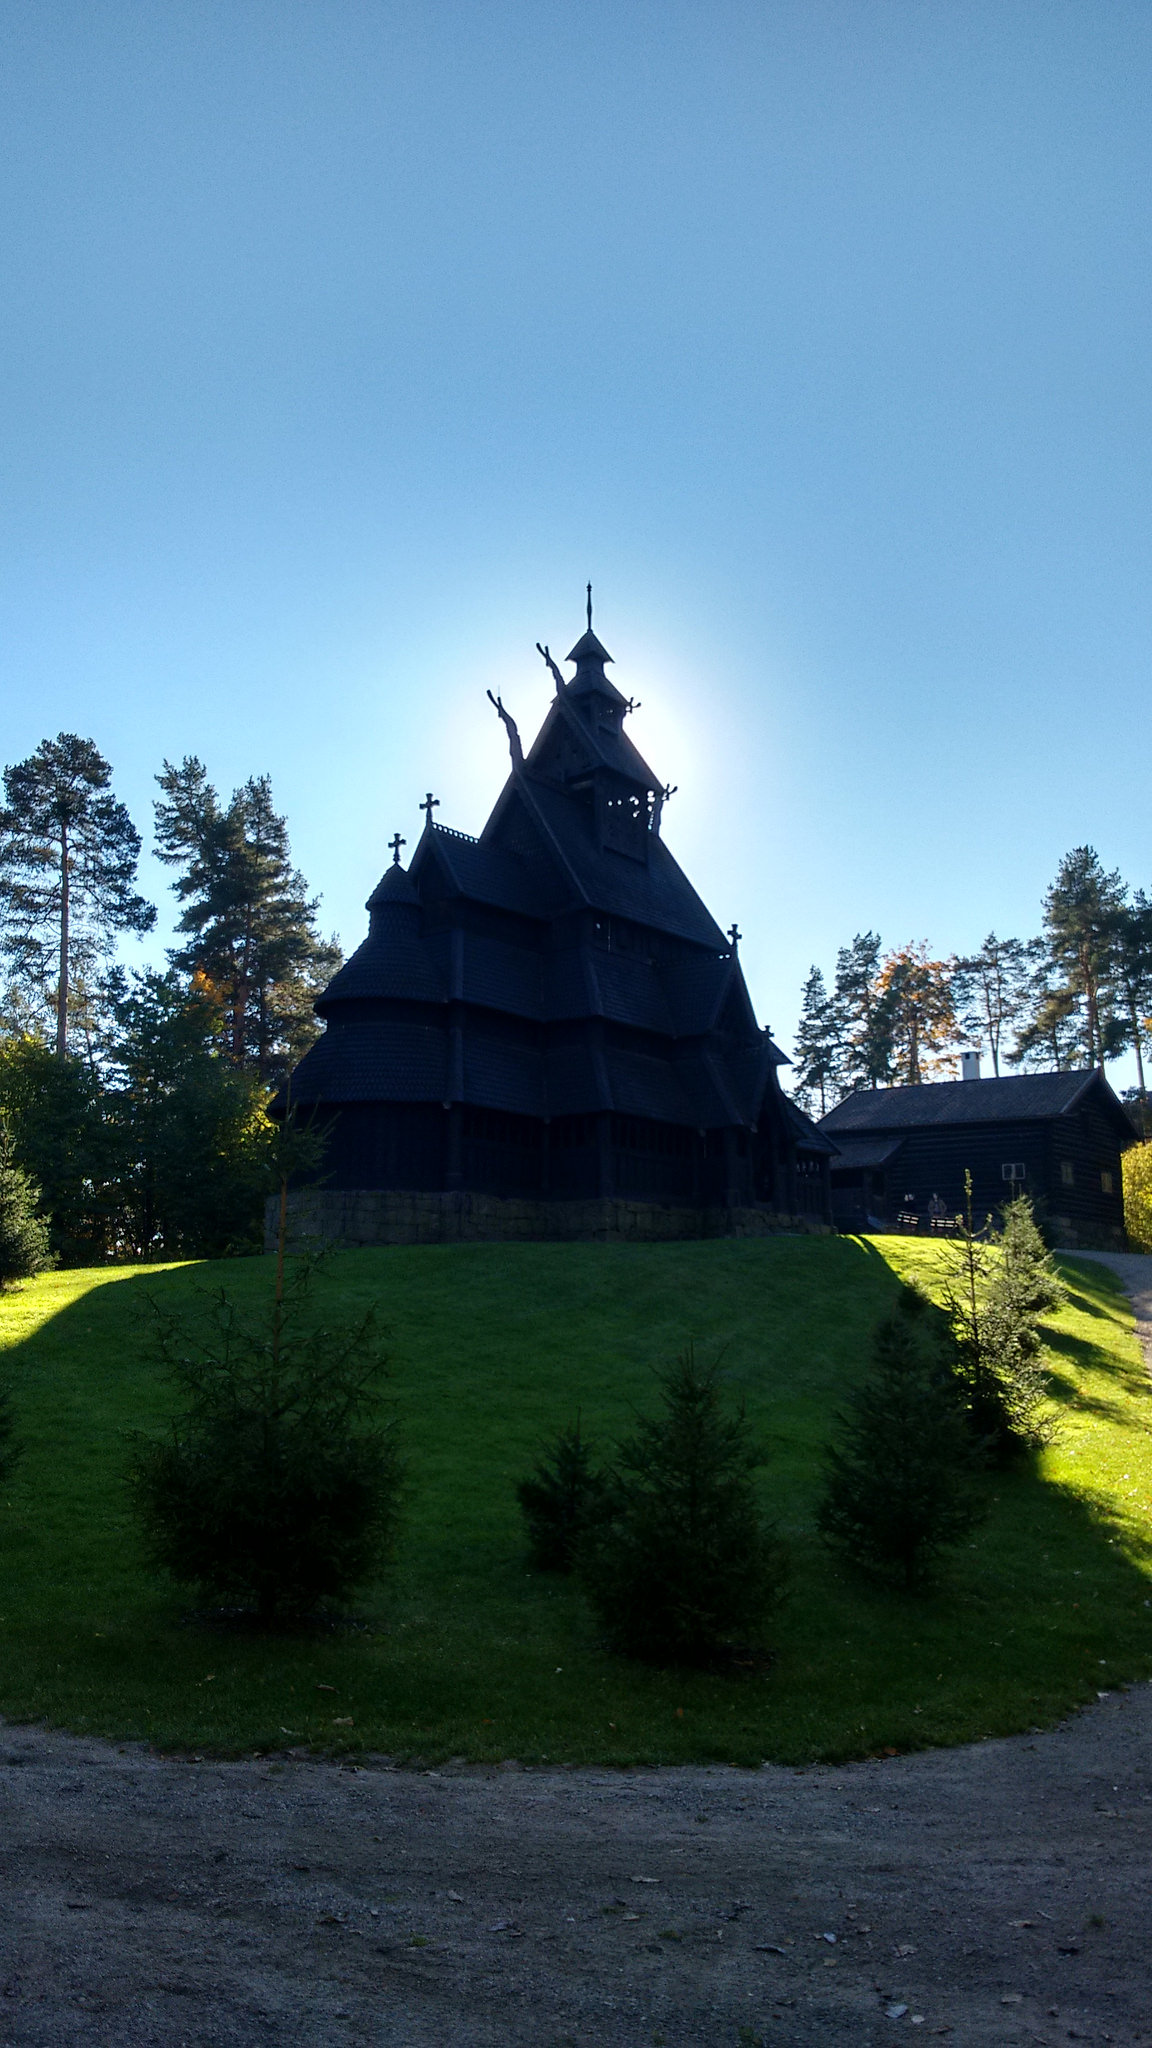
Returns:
(1105, 1181)
(1067, 1173)
(1013, 1169)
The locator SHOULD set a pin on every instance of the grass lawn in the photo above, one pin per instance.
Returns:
(463, 1652)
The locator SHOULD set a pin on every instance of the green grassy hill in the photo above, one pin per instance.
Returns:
(463, 1652)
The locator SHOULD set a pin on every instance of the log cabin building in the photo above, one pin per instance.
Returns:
(547, 1017)
(1055, 1137)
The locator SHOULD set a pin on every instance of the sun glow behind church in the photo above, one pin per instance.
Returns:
(673, 725)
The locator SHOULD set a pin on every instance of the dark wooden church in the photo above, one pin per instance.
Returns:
(549, 1015)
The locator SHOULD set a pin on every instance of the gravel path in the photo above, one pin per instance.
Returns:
(1135, 1270)
(995, 1893)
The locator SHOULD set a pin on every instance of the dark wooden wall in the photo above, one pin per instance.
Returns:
(933, 1162)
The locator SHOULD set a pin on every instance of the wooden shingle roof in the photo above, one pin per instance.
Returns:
(1006, 1098)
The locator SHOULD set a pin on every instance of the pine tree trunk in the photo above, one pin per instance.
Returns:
(1134, 1019)
(1091, 996)
(62, 991)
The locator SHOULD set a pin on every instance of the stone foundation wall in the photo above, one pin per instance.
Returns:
(363, 1216)
(1065, 1236)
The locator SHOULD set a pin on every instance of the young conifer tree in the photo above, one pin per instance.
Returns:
(683, 1563)
(23, 1234)
(1023, 1288)
(278, 1484)
(561, 1498)
(998, 1287)
(898, 1485)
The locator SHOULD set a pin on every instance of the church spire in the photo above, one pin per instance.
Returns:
(590, 656)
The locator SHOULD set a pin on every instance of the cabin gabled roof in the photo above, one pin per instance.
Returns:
(1006, 1098)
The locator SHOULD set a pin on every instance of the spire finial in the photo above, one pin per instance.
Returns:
(396, 843)
(589, 607)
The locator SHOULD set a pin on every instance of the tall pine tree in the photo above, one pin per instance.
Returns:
(250, 930)
(817, 1046)
(992, 990)
(68, 858)
(865, 1058)
(1132, 961)
(1081, 911)
(1048, 1035)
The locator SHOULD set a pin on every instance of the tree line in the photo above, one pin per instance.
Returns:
(136, 1100)
(1078, 994)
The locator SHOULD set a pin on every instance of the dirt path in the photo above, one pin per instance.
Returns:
(996, 1893)
(1134, 1269)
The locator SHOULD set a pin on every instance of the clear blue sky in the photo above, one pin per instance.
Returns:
(342, 342)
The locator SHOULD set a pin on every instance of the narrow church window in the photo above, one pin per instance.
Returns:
(1105, 1181)
(1067, 1173)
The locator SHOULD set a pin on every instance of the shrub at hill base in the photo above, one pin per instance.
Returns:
(279, 1484)
(682, 1567)
(561, 1499)
(899, 1472)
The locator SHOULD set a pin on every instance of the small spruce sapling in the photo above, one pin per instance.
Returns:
(898, 1474)
(683, 1565)
(1023, 1288)
(280, 1482)
(23, 1234)
(997, 1288)
(967, 1266)
(561, 1499)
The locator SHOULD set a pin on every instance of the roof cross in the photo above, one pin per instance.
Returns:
(734, 935)
(589, 607)
(431, 803)
(396, 843)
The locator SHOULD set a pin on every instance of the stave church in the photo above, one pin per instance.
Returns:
(545, 1033)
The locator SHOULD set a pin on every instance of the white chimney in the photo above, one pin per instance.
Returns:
(969, 1066)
